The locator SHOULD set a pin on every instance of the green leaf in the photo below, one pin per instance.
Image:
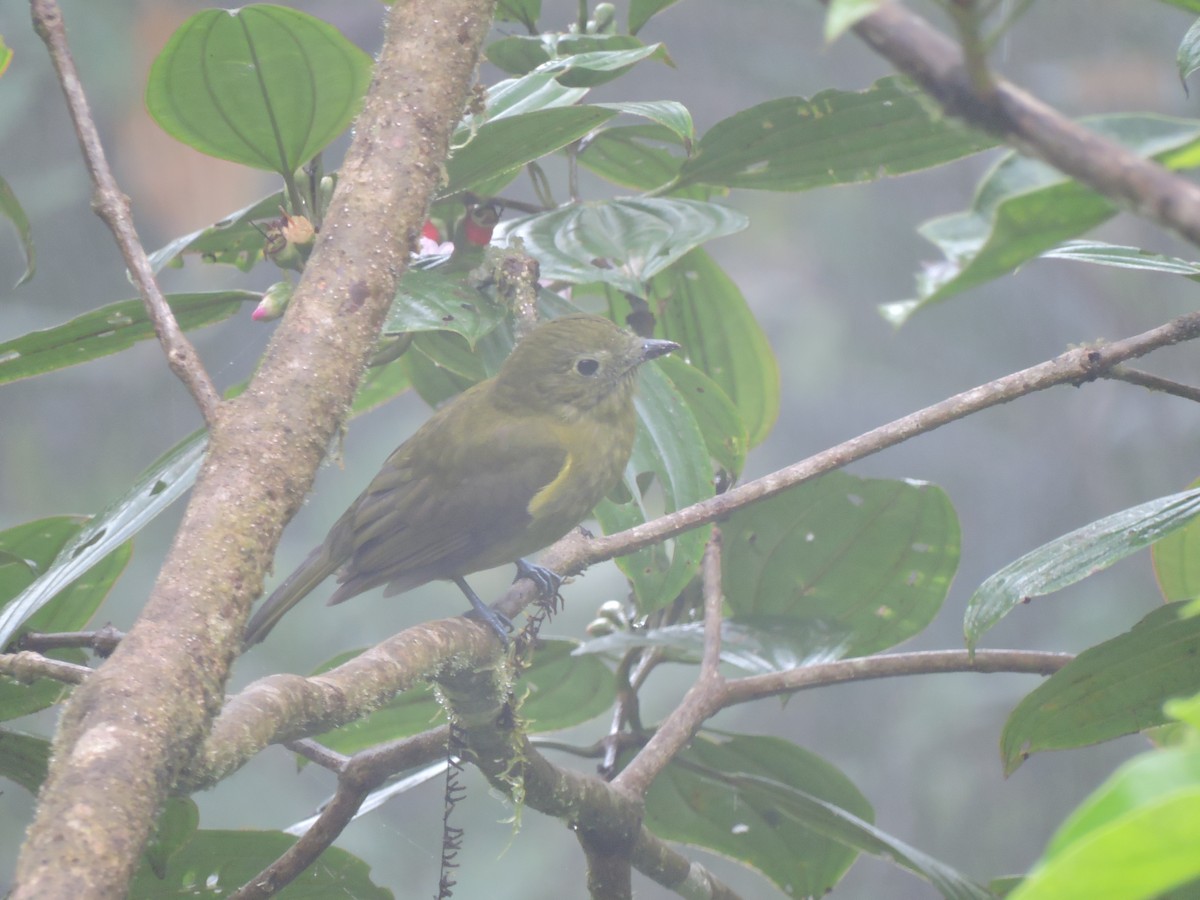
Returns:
(706, 313)
(578, 60)
(6, 56)
(724, 432)
(1189, 5)
(177, 824)
(524, 11)
(518, 96)
(622, 243)
(433, 300)
(108, 330)
(501, 147)
(843, 15)
(1102, 254)
(1134, 837)
(755, 645)
(1176, 560)
(36, 545)
(1023, 208)
(1187, 58)
(870, 558)
(379, 385)
(669, 446)
(837, 137)
(1075, 556)
(264, 86)
(11, 209)
(564, 690)
(1115, 688)
(154, 490)
(24, 759)
(670, 114)
(699, 800)
(852, 831)
(631, 157)
(236, 240)
(641, 11)
(215, 863)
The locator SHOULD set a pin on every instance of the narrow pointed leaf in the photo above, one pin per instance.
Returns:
(632, 156)
(155, 489)
(236, 240)
(264, 85)
(1101, 254)
(641, 11)
(108, 330)
(1115, 688)
(1075, 556)
(868, 558)
(1023, 208)
(1187, 57)
(724, 432)
(11, 209)
(670, 114)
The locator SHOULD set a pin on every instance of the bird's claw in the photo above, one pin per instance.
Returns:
(547, 580)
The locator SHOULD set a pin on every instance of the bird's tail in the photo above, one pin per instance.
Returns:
(315, 569)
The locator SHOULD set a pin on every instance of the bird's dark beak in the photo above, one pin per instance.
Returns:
(652, 349)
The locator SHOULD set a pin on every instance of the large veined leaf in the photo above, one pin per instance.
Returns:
(1135, 837)
(623, 243)
(1115, 688)
(1023, 207)
(724, 432)
(697, 800)
(705, 312)
(1075, 556)
(837, 137)
(436, 300)
(215, 863)
(108, 330)
(632, 156)
(669, 446)
(263, 85)
(783, 811)
(866, 559)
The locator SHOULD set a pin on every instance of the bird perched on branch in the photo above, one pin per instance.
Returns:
(504, 469)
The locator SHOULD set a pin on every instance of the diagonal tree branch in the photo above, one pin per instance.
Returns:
(936, 63)
(129, 730)
(113, 207)
(284, 707)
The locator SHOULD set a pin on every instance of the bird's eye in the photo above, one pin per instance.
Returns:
(587, 366)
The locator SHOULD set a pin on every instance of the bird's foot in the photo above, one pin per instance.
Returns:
(496, 621)
(547, 580)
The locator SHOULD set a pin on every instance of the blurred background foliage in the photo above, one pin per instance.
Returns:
(814, 267)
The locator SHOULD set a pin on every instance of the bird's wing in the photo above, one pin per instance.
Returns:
(439, 509)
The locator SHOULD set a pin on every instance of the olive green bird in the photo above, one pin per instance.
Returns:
(504, 469)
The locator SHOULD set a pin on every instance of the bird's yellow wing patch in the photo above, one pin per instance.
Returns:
(544, 497)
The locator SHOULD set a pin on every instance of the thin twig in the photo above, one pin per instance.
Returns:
(113, 207)
(25, 666)
(317, 753)
(103, 641)
(710, 579)
(891, 665)
(1153, 382)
